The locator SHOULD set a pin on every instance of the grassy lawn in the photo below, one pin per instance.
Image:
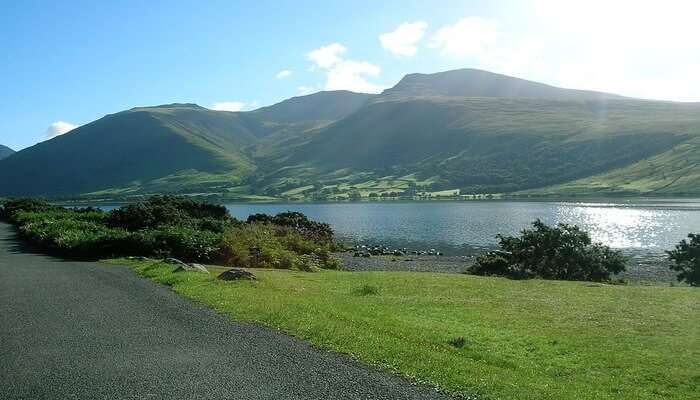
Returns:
(519, 339)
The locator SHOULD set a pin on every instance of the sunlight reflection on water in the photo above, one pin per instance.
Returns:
(649, 225)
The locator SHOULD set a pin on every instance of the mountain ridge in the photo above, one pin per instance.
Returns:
(464, 130)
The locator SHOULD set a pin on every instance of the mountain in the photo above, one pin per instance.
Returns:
(132, 146)
(5, 151)
(174, 147)
(487, 145)
(478, 83)
(321, 106)
(465, 130)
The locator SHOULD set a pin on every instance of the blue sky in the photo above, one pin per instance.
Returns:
(69, 63)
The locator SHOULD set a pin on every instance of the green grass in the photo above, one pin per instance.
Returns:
(486, 337)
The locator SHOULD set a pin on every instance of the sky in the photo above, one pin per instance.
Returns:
(68, 63)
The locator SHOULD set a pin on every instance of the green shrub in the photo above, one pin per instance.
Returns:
(12, 206)
(310, 230)
(686, 259)
(264, 245)
(169, 210)
(169, 226)
(493, 264)
(181, 242)
(562, 252)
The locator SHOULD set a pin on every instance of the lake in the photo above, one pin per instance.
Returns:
(638, 226)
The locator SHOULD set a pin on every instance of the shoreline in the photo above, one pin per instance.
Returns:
(641, 269)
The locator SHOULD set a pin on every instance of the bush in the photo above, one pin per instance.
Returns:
(563, 252)
(12, 206)
(686, 258)
(168, 210)
(169, 226)
(181, 242)
(310, 230)
(264, 245)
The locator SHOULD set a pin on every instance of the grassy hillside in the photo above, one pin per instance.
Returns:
(465, 131)
(130, 147)
(485, 338)
(5, 151)
(674, 172)
(322, 106)
(487, 145)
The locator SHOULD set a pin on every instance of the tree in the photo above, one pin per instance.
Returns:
(686, 258)
(562, 252)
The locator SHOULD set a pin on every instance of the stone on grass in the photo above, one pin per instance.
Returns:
(171, 260)
(183, 267)
(236, 274)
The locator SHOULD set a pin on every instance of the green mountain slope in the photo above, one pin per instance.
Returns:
(673, 172)
(5, 152)
(487, 145)
(465, 131)
(129, 148)
(321, 106)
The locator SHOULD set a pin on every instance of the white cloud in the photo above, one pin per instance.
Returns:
(228, 106)
(483, 42)
(344, 74)
(327, 56)
(283, 74)
(304, 90)
(58, 128)
(403, 40)
(635, 48)
(351, 75)
(470, 36)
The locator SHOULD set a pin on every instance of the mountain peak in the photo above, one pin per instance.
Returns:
(469, 82)
(171, 106)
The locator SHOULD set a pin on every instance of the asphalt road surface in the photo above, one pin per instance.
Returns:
(79, 330)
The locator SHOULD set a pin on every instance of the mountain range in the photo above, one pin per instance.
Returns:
(463, 131)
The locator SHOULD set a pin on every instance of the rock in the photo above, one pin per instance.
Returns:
(139, 258)
(183, 267)
(175, 261)
(192, 268)
(236, 274)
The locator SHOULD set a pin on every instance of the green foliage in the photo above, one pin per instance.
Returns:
(686, 258)
(169, 210)
(12, 206)
(170, 226)
(310, 230)
(563, 252)
(182, 242)
(266, 245)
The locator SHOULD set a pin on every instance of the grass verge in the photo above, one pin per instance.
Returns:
(489, 338)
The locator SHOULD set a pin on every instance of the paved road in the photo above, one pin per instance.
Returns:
(77, 330)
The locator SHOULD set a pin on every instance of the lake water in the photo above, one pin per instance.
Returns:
(635, 226)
